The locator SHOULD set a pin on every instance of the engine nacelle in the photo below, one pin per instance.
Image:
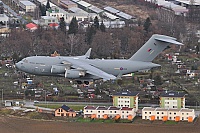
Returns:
(73, 73)
(58, 69)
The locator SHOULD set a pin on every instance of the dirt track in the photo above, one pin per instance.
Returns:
(21, 125)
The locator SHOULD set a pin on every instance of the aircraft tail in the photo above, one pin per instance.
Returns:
(154, 46)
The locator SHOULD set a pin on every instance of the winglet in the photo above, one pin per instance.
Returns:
(87, 54)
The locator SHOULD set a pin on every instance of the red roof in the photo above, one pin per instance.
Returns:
(31, 25)
(53, 24)
(126, 108)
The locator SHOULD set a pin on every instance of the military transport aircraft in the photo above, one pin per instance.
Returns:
(83, 69)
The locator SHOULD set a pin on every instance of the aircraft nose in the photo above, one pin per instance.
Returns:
(17, 65)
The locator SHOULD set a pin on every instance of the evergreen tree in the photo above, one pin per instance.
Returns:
(102, 27)
(48, 5)
(42, 10)
(73, 26)
(147, 24)
(197, 49)
(96, 22)
(90, 32)
(158, 80)
(62, 25)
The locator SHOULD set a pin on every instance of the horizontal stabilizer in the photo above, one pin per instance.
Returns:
(168, 41)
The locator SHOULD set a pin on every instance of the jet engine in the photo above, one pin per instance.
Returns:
(58, 69)
(73, 73)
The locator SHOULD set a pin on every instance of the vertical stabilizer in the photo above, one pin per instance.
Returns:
(154, 46)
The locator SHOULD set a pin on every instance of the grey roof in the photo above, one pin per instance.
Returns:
(126, 93)
(124, 15)
(67, 2)
(75, 1)
(66, 108)
(172, 94)
(95, 9)
(112, 10)
(101, 108)
(84, 4)
(109, 15)
(90, 107)
(76, 10)
(27, 3)
(113, 108)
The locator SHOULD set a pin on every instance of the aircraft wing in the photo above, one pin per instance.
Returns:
(91, 69)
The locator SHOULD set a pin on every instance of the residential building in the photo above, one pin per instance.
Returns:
(102, 112)
(172, 100)
(183, 114)
(95, 9)
(4, 20)
(65, 111)
(46, 20)
(31, 26)
(80, 16)
(27, 6)
(109, 16)
(55, 12)
(83, 5)
(193, 73)
(126, 99)
(113, 24)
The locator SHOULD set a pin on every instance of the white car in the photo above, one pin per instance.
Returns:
(35, 101)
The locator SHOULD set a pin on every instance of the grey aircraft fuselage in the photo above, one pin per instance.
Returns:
(41, 65)
(82, 68)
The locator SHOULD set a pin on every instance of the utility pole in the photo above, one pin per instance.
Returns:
(2, 96)
(45, 97)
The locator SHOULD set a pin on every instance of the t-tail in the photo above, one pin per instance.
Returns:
(154, 46)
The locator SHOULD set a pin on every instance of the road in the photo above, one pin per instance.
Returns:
(23, 21)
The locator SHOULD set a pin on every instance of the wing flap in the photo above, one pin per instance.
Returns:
(91, 69)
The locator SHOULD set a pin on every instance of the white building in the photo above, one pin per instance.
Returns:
(46, 20)
(113, 24)
(126, 99)
(183, 114)
(80, 16)
(27, 6)
(54, 12)
(102, 112)
(172, 100)
(4, 19)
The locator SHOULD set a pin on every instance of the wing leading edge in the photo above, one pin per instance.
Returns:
(77, 64)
